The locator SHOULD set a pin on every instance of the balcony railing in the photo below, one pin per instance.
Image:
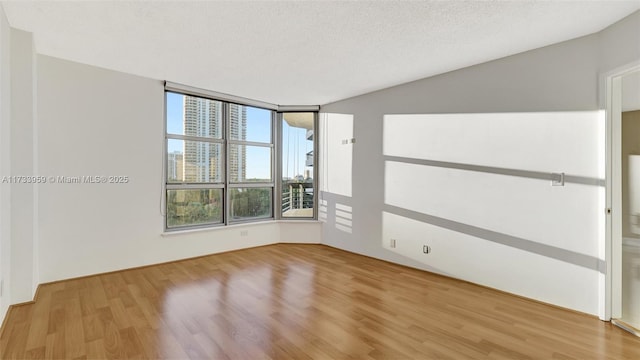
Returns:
(297, 196)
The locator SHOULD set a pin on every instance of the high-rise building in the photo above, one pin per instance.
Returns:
(237, 131)
(175, 172)
(202, 161)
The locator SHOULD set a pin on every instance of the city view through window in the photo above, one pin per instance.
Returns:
(196, 157)
(215, 147)
(297, 164)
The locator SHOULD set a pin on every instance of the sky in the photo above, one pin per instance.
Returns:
(258, 129)
(295, 147)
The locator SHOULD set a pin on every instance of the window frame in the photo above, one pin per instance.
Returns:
(279, 167)
(225, 142)
(230, 184)
(190, 185)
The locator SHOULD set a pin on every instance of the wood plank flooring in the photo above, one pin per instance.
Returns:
(297, 302)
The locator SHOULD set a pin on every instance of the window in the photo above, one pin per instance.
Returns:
(297, 195)
(229, 161)
(250, 163)
(217, 153)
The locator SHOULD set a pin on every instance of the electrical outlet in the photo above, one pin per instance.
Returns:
(244, 233)
(426, 249)
(392, 243)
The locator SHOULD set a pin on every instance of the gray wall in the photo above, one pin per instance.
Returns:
(561, 77)
(23, 212)
(5, 162)
(99, 122)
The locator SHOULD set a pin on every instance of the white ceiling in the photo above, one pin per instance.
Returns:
(302, 52)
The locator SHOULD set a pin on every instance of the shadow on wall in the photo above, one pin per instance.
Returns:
(336, 167)
(472, 194)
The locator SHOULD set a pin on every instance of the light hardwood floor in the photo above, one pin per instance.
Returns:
(297, 302)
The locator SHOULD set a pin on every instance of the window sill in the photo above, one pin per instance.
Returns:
(301, 221)
(233, 226)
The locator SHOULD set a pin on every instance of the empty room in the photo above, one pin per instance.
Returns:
(320, 179)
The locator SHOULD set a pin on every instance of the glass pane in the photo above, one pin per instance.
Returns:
(193, 116)
(193, 207)
(249, 163)
(249, 124)
(247, 203)
(194, 162)
(297, 165)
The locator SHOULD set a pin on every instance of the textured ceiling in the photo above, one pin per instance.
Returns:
(302, 52)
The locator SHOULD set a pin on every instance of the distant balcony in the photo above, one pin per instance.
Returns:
(309, 161)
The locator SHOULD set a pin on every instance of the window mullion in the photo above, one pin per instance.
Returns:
(194, 138)
(171, 186)
(250, 185)
(277, 166)
(250, 143)
(316, 169)
(227, 170)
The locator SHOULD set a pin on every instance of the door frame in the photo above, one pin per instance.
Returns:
(611, 281)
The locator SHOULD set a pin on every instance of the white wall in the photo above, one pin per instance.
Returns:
(99, 122)
(335, 136)
(300, 232)
(23, 240)
(18, 160)
(466, 242)
(5, 164)
(64, 119)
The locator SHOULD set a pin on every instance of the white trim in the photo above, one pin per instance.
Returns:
(610, 283)
(301, 221)
(237, 225)
(615, 248)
